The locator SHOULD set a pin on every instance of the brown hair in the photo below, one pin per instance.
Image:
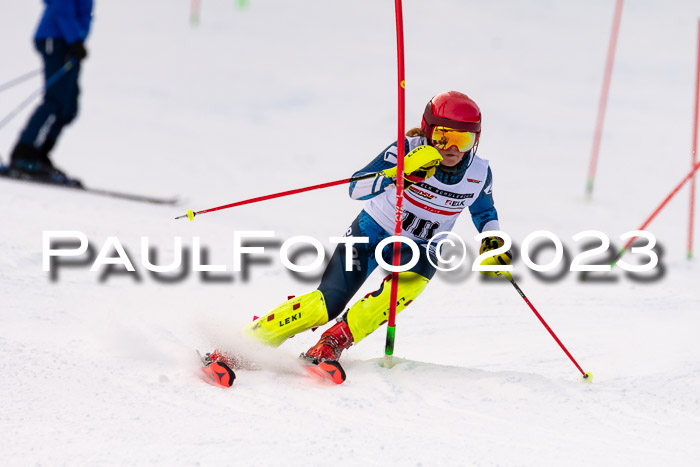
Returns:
(415, 132)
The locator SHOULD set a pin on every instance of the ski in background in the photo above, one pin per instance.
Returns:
(6, 174)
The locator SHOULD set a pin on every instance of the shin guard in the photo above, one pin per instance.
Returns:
(365, 316)
(292, 317)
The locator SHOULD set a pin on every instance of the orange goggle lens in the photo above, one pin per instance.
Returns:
(445, 138)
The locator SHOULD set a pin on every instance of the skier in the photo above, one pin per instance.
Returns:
(60, 38)
(439, 185)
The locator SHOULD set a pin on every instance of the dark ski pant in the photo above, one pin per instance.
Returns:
(60, 104)
(339, 286)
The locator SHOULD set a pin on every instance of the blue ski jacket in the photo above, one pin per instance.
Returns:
(65, 19)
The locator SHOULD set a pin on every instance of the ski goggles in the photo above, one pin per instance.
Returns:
(444, 138)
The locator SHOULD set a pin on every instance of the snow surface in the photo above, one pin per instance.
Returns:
(287, 94)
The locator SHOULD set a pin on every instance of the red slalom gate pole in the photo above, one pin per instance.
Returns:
(191, 214)
(195, 8)
(691, 217)
(670, 196)
(401, 149)
(586, 375)
(597, 136)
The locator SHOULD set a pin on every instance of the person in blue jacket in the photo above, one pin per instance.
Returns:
(60, 39)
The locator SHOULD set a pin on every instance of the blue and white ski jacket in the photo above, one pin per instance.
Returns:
(65, 19)
(432, 206)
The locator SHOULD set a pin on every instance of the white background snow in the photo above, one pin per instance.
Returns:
(287, 94)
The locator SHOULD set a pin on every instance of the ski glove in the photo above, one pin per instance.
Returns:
(489, 244)
(77, 51)
(418, 165)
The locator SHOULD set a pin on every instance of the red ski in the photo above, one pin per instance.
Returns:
(216, 372)
(329, 369)
(217, 368)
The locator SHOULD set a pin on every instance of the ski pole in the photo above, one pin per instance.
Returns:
(49, 82)
(191, 214)
(586, 376)
(19, 79)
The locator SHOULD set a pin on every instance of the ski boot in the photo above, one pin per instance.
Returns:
(29, 163)
(323, 357)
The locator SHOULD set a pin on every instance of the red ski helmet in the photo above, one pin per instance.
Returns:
(453, 110)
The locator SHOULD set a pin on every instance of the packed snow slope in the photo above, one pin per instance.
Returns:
(99, 367)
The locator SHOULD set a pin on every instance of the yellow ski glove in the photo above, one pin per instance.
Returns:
(503, 259)
(418, 165)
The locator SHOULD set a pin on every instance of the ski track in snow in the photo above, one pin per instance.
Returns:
(100, 369)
